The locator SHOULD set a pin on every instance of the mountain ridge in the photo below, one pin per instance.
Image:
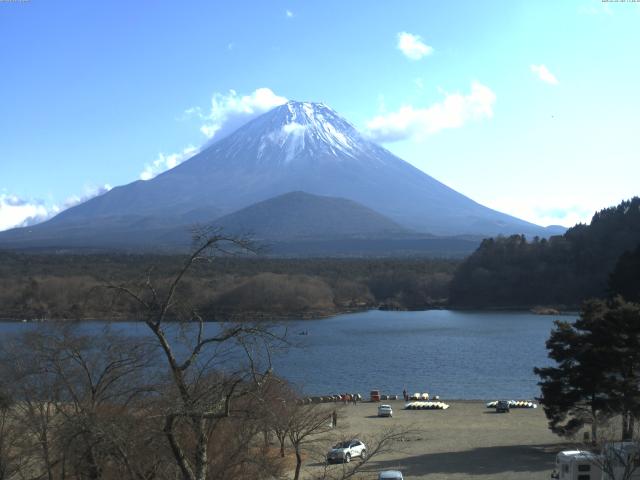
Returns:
(298, 146)
(300, 215)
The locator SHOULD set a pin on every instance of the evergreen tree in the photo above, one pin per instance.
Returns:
(572, 391)
(597, 372)
(625, 278)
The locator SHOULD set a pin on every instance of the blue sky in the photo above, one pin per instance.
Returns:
(527, 107)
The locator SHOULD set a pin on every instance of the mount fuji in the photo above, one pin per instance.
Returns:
(296, 147)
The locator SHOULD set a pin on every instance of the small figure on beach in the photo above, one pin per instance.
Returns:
(354, 398)
(334, 419)
(405, 395)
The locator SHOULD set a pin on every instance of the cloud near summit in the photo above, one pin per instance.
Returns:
(453, 111)
(230, 111)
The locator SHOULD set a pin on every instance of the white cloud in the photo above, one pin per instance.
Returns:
(293, 128)
(412, 46)
(20, 212)
(167, 162)
(288, 13)
(546, 210)
(227, 113)
(230, 111)
(544, 74)
(90, 191)
(453, 112)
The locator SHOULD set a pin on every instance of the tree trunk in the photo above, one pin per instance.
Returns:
(282, 447)
(201, 449)
(626, 434)
(47, 457)
(594, 424)
(94, 470)
(178, 454)
(298, 464)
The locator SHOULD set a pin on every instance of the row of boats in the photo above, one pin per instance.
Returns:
(419, 405)
(345, 398)
(423, 396)
(514, 404)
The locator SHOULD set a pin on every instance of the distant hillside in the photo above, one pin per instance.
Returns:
(563, 270)
(300, 215)
(294, 224)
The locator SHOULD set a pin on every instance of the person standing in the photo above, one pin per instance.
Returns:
(334, 419)
(405, 395)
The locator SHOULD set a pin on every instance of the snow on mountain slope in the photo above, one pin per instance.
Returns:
(298, 146)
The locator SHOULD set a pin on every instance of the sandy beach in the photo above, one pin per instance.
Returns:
(467, 440)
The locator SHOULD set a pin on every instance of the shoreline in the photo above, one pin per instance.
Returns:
(320, 315)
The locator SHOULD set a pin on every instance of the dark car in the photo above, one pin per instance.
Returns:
(502, 406)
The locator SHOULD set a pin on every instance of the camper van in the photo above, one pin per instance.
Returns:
(577, 465)
(621, 458)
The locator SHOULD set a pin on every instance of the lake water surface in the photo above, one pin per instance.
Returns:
(454, 354)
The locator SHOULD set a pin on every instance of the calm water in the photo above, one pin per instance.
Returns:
(462, 355)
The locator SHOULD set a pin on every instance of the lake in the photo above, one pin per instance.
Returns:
(454, 354)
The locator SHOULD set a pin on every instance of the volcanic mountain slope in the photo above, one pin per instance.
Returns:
(294, 147)
(300, 215)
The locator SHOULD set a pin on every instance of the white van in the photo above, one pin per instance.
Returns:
(584, 465)
(577, 465)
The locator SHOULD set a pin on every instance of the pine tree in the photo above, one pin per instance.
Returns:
(597, 372)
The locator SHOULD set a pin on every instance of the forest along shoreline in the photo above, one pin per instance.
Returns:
(38, 286)
(546, 276)
(72, 286)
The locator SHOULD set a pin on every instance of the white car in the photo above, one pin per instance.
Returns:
(385, 411)
(345, 451)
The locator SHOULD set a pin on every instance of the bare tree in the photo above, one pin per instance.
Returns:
(80, 395)
(206, 373)
(308, 426)
(618, 460)
(11, 460)
(278, 403)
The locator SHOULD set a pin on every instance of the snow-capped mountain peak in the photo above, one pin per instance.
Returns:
(304, 129)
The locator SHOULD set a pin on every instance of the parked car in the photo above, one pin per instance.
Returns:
(345, 451)
(390, 475)
(385, 410)
(502, 406)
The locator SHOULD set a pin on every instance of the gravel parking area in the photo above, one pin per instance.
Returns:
(467, 440)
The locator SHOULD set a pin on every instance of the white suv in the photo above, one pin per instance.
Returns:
(345, 451)
(385, 411)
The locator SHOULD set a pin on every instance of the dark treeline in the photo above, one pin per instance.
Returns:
(564, 270)
(71, 286)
